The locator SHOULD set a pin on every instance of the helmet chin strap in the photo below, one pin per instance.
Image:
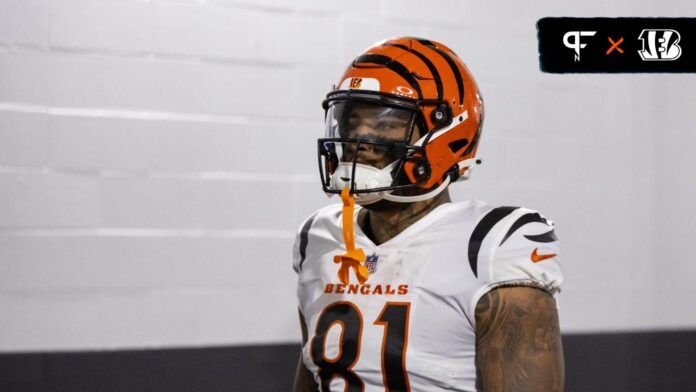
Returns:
(370, 174)
(425, 196)
(464, 167)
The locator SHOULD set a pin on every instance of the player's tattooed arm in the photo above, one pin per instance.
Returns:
(518, 341)
(304, 382)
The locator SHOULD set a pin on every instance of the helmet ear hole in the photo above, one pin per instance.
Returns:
(457, 145)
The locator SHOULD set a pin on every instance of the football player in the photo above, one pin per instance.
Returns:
(408, 291)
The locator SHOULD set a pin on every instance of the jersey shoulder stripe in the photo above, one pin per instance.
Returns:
(523, 220)
(317, 222)
(549, 236)
(304, 239)
(481, 231)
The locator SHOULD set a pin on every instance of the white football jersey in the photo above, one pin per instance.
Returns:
(411, 326)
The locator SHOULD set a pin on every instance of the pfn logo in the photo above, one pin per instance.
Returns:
(575, 44)
(662, 45)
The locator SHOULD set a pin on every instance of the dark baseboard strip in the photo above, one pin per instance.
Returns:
(636, 362)
(247, 368)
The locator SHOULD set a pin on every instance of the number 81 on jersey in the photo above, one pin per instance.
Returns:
(393, 318)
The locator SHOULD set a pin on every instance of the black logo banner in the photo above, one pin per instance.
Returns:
(589, 45)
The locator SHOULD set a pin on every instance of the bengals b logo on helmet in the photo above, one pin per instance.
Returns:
(355, 82)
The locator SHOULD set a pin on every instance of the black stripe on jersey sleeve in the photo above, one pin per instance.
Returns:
(549, 236)
(304, 239)
(521, 221)
(481, 230)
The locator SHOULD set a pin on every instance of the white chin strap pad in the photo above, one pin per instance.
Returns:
(366, 177)
(425, 196)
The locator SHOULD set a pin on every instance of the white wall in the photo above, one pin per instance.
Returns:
(157, 156)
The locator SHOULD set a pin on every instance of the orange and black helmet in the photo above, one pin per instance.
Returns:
(427, 85)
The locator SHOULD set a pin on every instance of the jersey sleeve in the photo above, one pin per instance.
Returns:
(522, 249)
(299, 248)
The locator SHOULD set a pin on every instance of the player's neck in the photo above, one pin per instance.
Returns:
(386, 224)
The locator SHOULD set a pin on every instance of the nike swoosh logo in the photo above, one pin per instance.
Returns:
(537, 257)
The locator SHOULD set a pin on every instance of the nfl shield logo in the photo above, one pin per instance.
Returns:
(371, 263)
